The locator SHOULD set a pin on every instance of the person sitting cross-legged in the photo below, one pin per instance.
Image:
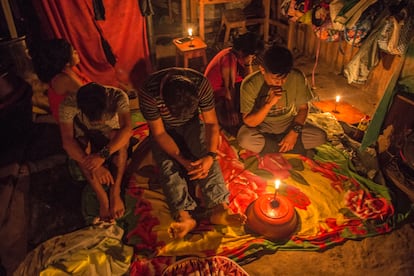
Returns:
(274, 103)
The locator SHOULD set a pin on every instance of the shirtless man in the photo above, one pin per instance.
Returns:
(184, 147)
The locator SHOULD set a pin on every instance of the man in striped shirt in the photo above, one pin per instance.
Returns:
(184, 146)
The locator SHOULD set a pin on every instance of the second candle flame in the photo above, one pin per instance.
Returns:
(337, 98)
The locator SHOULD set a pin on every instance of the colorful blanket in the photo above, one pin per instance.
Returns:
(332, 201)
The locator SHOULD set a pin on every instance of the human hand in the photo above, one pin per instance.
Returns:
(274, 95)
(93, 161)
(103, 176)
(288, 142)
(200, 168)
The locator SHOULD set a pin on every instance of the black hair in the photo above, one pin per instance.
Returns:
(248, 43)
(277, 60)
(50, 57)
(91, 100)
(180, 95)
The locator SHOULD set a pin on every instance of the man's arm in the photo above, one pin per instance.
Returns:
(70, 145)
(166, 142)
(254, 119)
(302, 114)
(118, 140)
(201, 167)
(227, 73)
(122, 136)
(211, 129)
(289, 141)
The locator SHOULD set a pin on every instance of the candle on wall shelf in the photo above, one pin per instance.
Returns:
(336, 104)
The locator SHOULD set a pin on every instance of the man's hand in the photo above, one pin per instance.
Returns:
(288, 142)
(93, 161)
(275, 94)
(103, 176)
(199, 169)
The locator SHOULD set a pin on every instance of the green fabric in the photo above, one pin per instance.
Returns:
(137, 118)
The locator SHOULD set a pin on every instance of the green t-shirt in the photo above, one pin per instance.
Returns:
(254, 92)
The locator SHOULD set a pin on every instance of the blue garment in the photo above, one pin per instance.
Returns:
(173, 176)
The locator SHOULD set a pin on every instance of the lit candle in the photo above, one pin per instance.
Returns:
(337, 98)
(336, 104)
(277, 185)
(275, 203)
(190, 32)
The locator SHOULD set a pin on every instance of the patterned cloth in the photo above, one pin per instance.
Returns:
(333, 201)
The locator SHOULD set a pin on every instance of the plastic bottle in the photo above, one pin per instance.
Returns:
(363, 124)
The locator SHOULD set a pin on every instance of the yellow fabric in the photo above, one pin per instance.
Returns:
(96, 250)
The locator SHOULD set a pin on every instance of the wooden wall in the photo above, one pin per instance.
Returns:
(302, 40)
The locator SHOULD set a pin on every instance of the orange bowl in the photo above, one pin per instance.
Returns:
(273, 217)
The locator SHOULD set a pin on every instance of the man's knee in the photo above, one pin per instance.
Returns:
(250, 139)
(244, 137)
(314, 137)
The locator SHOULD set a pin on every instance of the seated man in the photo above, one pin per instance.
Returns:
(274, 106)
(184, 147)
(95, 125)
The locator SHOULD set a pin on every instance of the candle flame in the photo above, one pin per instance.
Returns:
(337, 98)
(277, 184)
(190, 31)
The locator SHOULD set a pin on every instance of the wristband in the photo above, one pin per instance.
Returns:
(212, 154)
(297, 128)
(104, 152)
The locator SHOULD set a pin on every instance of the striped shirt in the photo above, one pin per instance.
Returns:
(153, 106)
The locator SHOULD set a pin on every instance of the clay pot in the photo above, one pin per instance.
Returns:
(273, 217)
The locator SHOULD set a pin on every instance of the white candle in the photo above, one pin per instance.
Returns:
(277, 184)
(190, 32)
(337, 98)
(274, 203)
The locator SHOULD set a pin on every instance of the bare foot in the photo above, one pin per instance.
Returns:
(221, 214)
(104, 212)
(183, 226)
(117, 207)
